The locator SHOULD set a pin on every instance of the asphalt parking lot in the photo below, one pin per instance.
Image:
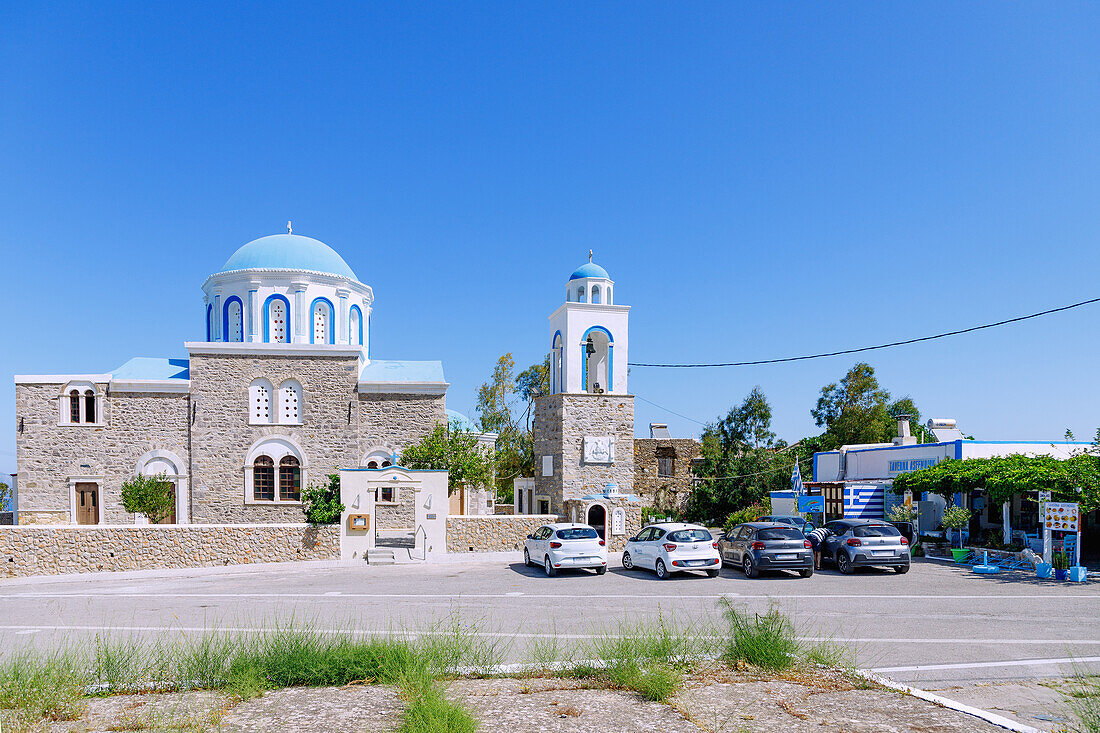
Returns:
(935, 626)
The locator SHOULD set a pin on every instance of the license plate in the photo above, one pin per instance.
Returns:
(786, 557)
(696, 563)
(882, 553)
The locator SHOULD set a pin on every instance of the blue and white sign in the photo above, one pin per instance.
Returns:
(905, 465)
(864, 501)
(811, 504)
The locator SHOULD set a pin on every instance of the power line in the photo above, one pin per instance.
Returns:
(672, 412)
(870, 348)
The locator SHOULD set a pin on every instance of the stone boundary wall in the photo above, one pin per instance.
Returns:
(46, 550)
(492, 532)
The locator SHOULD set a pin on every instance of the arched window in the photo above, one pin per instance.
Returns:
(276, 323)
(233, 322)
(210, 322)
(290, 479)
(89, 406)
(322, 322)
(555, 365)
(595, 293)
(259, 402)
(355, 326)
(372, 464)
(580, 294)
(263, 479)
(608, 298)
(74, 406)
(596, 360)
(290, 402)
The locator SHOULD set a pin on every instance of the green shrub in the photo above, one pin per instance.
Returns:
(764, 640)
(748, 514)
(321, 504)
(151, 496)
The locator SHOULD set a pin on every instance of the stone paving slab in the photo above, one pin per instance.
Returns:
(1034, 703)
(718, 703)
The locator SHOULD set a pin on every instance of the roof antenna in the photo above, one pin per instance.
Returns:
(589, 255)
(289, 230)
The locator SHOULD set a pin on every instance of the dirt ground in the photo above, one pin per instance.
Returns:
(719, 701)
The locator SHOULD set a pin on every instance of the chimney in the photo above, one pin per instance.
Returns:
(904, 437)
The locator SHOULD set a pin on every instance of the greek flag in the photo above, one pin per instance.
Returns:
(864, 502)
(796, 481)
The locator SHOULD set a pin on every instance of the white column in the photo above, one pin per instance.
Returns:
(342, 333)
(1006, 517)
(218, 315)
(300, 317)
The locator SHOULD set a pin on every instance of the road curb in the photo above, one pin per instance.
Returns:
(998, 720)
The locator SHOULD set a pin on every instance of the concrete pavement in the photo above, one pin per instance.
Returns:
(936, 626)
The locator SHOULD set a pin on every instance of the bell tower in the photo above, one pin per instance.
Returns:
(584, 429)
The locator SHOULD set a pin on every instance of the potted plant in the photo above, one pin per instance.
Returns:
(1061, 565)
(955, 517)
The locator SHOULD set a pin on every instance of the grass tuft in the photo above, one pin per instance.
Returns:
(1082, 693)
(765, 640)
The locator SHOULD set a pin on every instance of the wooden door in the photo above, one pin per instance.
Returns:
(834, 502)
(87, 503)
(458, 501)
(171, 518)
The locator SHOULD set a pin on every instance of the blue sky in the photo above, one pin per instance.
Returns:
(760, 179)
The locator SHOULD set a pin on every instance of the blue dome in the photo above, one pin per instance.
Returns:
(459, 422)
(589, 269)
(289, 252)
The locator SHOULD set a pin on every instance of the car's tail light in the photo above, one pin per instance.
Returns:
(714, 545)
(806, 544)
(855, 542)
(669, 547)
(602, 543)
(555, 545)
(905, 540)
(758, 545)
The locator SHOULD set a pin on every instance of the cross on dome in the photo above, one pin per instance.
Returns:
(289, 230)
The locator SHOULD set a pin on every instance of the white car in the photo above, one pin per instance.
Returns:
(559, 546)
(671, 547)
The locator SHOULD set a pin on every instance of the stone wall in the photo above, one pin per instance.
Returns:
(398, 515)
(494, 532)
(560, 424)
(49, 454)
(665, 492)
(393, 421)
(28, 551)
(222, 436)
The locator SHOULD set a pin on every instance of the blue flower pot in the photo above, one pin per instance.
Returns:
(1061, 574)
(1078, 574)
(1044, 570)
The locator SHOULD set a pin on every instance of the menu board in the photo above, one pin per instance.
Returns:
(1060, 516)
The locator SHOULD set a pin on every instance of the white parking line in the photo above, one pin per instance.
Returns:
(530, 635)
(123, 593)
(980, 665)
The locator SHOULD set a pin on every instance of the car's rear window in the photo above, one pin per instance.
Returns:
(875, 530)
(577, 533)
(779, 533)
(690, 535)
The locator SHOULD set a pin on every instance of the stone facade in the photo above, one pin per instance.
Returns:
(492, 533)
(50, 455)
(222, 436)
(207, 430)
(664, 492)
(561, 422)
(26, 551)
(581, 511)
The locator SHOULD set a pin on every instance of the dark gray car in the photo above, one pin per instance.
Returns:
(860, 542)
(756, 547)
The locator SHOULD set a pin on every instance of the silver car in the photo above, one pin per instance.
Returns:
(856, 543)
(757, 547)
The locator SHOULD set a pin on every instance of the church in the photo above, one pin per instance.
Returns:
(282, 392)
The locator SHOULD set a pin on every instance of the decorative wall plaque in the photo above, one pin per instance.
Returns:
(599, 449)
(618, 521)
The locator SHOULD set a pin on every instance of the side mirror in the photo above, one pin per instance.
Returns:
(530, 536)
(632, 539)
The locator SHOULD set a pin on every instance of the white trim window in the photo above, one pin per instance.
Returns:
(290, 403)
(80, 404)
(277, 321)
(236, 322)
(259, 402)
(321, 325)
(274, 471)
